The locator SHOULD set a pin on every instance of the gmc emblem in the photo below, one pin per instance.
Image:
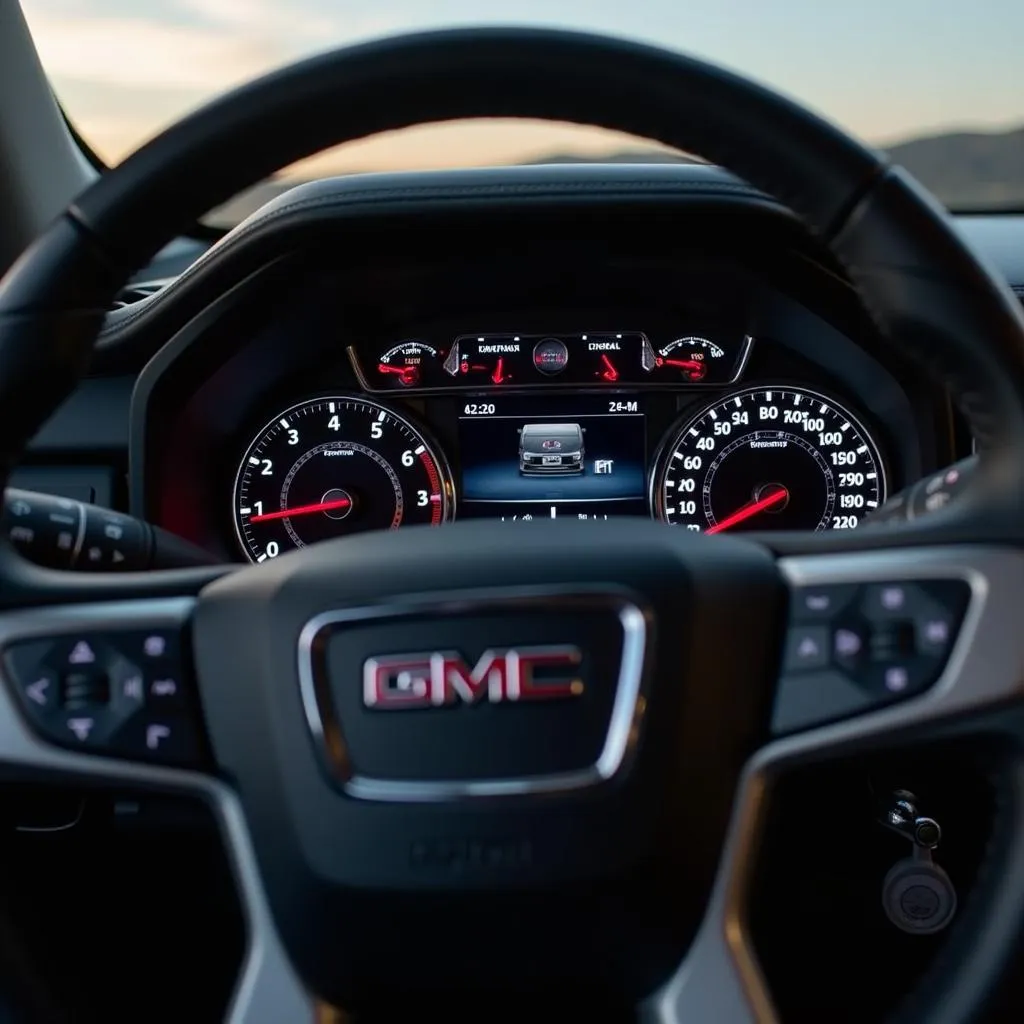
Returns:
(443, 678)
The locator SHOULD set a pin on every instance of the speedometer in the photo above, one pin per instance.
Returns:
(769, 459)
(335, 466)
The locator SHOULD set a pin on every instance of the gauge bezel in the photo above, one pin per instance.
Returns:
(674, 434)
(447, 479)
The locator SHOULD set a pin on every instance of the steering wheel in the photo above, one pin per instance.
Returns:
(592, 824)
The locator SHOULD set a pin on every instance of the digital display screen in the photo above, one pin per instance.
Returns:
(559, 458)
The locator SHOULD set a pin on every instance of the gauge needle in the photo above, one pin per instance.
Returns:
(499, 371)
(610, 373)
(407, 374)
(752, 509)
(685, 364)
(302, 510)
(697, 369)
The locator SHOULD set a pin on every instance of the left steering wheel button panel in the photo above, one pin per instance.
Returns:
(122, 693)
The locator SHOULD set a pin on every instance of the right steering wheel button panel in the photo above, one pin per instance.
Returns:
(873, 644)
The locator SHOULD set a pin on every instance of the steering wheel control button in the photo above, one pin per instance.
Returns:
(807, 647)
(85, 690)
(37, 681)
(898, 677)
(893, 640)
(165, 690)
(44, 689)
(822, 604)
(849, 646)
(153, 736)
(120, 692)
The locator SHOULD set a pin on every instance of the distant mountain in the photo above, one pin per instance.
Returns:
(966, 170)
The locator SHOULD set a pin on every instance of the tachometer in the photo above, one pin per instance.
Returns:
(769, 459)
(334, 466)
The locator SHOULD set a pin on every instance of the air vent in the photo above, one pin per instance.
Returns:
(139, 292)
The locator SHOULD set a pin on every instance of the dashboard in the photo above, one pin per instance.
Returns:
(706, 367)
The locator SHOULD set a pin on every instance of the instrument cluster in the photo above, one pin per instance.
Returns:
(581, 426)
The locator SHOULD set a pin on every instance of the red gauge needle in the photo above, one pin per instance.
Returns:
(696, 368)
(752, 509)
(499, 372)
(610, 373)
(302, 510)
(407, 373)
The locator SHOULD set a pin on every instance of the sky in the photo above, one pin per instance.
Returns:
(883, 69)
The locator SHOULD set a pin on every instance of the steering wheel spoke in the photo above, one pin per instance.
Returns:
(102, 694)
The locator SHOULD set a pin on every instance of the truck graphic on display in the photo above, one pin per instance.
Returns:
(551, 449)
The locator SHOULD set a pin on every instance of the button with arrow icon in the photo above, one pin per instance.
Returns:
(807, 647)
(81, 728)
(43, 691)
(30, 667)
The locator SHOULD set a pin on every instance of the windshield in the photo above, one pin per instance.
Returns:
(939, 85)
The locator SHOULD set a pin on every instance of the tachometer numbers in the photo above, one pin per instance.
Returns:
(335, 466)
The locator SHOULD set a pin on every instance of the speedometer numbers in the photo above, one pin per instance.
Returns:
(336, 466)
(769, 459)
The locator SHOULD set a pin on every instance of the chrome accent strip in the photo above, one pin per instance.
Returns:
(268, 990)
(720, 978)
(748, 347)
(622, 727)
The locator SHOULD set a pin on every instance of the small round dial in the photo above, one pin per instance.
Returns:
(690, 356)
(405, 362)
(769, 459)
(335, 466)
(550, 356)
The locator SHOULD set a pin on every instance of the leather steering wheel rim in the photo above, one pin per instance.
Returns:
(927, 292)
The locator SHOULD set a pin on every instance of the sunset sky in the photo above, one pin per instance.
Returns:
(884, 69)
